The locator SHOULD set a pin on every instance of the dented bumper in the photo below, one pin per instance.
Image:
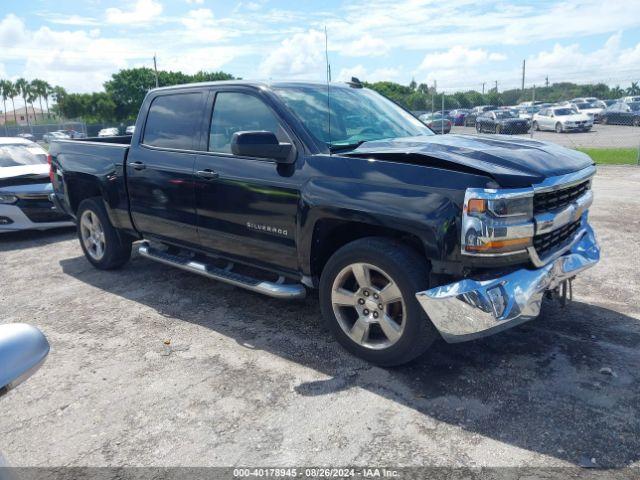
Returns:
(470, 309)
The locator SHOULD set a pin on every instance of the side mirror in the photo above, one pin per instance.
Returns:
(261, 144)
(23, 349)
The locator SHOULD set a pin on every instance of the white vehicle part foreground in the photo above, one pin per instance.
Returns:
(470, 309)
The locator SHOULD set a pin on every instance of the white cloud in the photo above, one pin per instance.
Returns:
(300, 56)
(195, 2)
(12, 31)
(458, 56)
(363, 74)
(365, 46)
(141, 12)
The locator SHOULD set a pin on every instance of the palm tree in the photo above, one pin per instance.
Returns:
(634, 89)
(32, 95)
(22, 88)
(39, 89)
(46, 92)
(11, 92)
(4, 93)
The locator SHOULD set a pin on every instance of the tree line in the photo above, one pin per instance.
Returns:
(30, 92)
(417, 97)
(124, 92)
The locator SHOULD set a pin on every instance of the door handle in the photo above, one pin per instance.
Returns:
(207, 174)
(138, 165)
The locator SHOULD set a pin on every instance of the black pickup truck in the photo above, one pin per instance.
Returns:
(279, 188)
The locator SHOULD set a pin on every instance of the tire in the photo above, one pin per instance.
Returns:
(559, 127)
(478, 128)
(385, 260)
(104, 246)
(535, 126)
(604, 120)
(636, 121)
(497, 130)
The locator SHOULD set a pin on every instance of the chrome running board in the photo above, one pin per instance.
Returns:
(277, 289)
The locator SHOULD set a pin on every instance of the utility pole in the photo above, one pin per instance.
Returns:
(433, 96)
(442, 116)
(523, 66)
(546, 81)
(155, 69)
(533, 101)
(483, 87)
(496, 86)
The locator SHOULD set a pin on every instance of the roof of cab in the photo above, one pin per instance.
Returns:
(250, 83)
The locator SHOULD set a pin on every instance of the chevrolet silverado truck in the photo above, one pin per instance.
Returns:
(281, 188)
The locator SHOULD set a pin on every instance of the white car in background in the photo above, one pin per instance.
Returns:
(584, 100)
(562, 119)
(590, 108)
(109, 132)
(25, 188)
(130, 130)
(631, 99)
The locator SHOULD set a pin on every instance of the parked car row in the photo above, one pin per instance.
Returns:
(577, 114)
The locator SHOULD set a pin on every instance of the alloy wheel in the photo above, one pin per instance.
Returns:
(368, 306)
(92, 234)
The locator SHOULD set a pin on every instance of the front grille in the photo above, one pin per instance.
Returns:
(40, 210)
(557, 199)
(552, 241)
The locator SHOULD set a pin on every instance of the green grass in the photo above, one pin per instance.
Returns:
(612, 156)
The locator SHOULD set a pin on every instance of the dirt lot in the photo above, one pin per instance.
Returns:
(601, 136)
(248, 380)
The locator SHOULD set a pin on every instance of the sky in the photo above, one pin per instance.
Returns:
(459, 44)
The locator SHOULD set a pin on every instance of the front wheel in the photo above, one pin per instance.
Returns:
(367, 298)
(497, 130)
(478, 129)
(535, 126)
(558, 127)
(636, 122)
(102, 244)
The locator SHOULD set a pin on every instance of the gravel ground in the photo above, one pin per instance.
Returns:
(601, 136)
(249, 380)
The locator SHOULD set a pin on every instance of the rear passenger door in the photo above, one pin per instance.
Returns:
(160, 167)
(247, 207)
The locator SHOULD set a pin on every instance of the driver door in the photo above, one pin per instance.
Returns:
(246, 207)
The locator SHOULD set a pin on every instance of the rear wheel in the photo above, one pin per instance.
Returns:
(497, 129)
(604, 120)
(102, 244)
(636, 122)
(478, 128)
(559, 128)
(536, 127)
(367, 297)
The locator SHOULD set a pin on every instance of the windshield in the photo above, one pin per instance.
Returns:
(357, 115)
(584, 105)
(14, 155)
(635, 106)
(564, 111)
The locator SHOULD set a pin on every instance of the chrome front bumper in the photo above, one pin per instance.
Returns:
(470, 309)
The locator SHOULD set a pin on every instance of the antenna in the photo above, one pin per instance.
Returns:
(326, 57)
(155, 69)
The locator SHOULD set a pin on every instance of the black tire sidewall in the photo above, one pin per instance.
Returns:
(117, 250)
(418, 331)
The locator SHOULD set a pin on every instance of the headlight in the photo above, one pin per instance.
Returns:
(7, 198)
(497, 222)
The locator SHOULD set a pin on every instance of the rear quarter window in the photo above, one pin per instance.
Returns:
(174, 121)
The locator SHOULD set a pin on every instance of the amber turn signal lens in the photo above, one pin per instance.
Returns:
(506, 245)
(476, 205)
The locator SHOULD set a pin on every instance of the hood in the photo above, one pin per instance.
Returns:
(24, 175)
(512, 120)
(513, 163)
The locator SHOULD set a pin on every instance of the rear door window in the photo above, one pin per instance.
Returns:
(174, 121)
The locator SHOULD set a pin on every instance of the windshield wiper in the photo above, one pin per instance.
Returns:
(346, 146)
